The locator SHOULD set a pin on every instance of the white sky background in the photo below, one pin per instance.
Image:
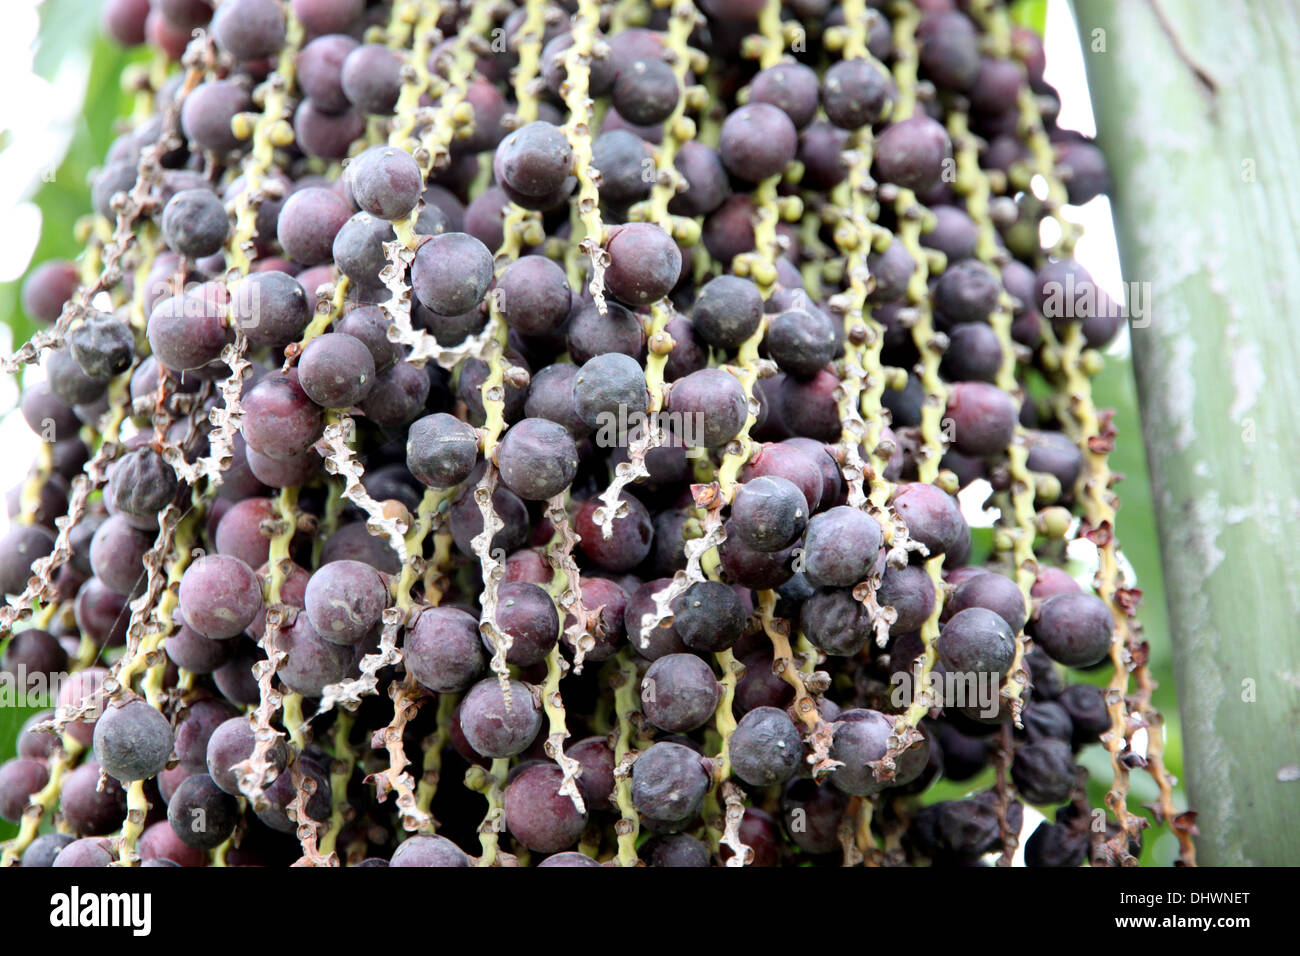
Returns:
(39, 118)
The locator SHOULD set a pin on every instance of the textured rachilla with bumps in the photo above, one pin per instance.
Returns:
(499, 434)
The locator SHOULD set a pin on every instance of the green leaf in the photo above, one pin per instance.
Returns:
(11, 721)
(981, 546)
(68, 32)
(1030, 13)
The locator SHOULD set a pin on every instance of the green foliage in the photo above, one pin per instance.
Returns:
(11, 721)
(69, 32)
(1030, 13)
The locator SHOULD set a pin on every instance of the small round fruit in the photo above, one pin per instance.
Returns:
(133, 741)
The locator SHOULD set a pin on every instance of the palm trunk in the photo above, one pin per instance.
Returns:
(1198, 111)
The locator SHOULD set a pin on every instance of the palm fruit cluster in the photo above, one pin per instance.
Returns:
(532, 434)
